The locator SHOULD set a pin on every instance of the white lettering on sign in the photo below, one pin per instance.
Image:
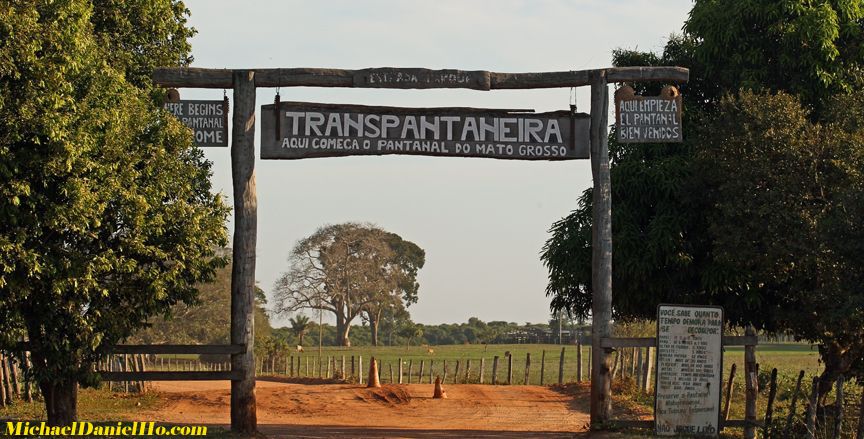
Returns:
(641, 119)
(689, 368)
(205, 118)
(308, 130)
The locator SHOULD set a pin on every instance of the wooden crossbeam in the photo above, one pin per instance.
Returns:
(171, 376)
(390, 77)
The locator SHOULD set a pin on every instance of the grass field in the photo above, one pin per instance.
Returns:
(788, 358)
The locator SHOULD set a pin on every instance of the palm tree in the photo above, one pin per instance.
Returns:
(299, 325)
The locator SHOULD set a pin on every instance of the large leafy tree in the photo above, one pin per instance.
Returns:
(757, 210)
(349, 269)
(106, 215)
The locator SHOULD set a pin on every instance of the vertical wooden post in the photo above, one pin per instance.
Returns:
(542, 366)
(510, 369)
(495, 370)
(400, 370)
(649, 366)
(727, 404)
(353, 369)
(752, 386)
(456, 373)
(2, 383)
(561, 368)
(637, 371)
(838, 419)
(579, 361)
(527, 368)
(482, 367)
(431, 368)
(360, 369)
(467, 371)
(601, 260)
(13, 372)
(814, 407)
(769, 410)
(390, 365)
(244, 418)
(420, 374)
(410, 369)
(791, 416)
(28, 385)
(126, 369)
(860, 434)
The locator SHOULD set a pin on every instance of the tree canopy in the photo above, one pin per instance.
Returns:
(106, 215)
(759, 209)
(349, 269)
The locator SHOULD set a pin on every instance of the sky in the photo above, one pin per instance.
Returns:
(482, 222)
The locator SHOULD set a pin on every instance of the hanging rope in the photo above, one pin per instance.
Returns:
(276, 114)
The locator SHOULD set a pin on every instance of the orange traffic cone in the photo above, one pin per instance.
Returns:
(373, 374)
(439, 392)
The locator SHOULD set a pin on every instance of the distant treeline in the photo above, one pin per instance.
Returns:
(475, 331)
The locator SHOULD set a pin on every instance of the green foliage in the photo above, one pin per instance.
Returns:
(106, 215)
(812, 49)
(349, 269)
(759, 209)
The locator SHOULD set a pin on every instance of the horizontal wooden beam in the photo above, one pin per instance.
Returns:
(740, 423)
(740, 340)
(177, 349)
(401, 78)
(628, 342)
(644, 342)
(632, 423)
(170, 376)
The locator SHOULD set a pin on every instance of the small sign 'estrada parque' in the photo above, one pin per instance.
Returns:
(293, 130)
(648, 119)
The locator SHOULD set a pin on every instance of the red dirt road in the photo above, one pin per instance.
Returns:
(346, 410)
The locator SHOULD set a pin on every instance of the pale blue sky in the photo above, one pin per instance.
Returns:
(482, 222)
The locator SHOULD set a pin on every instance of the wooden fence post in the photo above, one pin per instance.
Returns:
(482, 368)
(3, 400)
(28, 384)
(637, 371)
(769, 410)
(126, 369)
(814, 407)
(431, 369)
(542, 366)
(456, 373)
(13, 372)
(244, 418)
(728, 402)
(510, 369)
(579, 361)
(838, 419)
(752, 386)
(410, 368)
(400, 371)
(860, 434)
(561, 367)
(527, 368)
(791, 416)
(634, 371)
(467, 371)
(390, 366)
(495, 370)
(444, 379)
(601, 258)
(420, 374)
(649, 369)
(360, 369)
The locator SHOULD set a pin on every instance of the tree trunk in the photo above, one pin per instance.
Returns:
(301, 338)
(837, 361)
(373, 329)
(343, 336)
(61, 401)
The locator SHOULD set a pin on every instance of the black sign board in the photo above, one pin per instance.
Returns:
(295, 130)
(207, 119)
(648, 119)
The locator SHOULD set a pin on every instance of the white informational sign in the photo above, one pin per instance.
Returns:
(689, 370)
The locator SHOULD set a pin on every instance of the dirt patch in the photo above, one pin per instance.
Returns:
(329, 410)
(387, 394)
